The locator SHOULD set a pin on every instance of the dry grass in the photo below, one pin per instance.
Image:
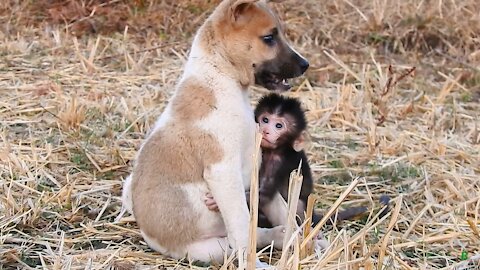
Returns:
(75, 106)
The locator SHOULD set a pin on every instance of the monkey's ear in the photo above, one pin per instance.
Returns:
(238, 9)
(299, 142)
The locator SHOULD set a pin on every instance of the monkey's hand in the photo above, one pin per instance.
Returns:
(320, 242)
(210, 202)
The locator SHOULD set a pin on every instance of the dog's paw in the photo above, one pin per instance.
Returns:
(278, 234)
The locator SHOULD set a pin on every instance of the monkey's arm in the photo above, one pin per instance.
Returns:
(267, 190)
(267, 183)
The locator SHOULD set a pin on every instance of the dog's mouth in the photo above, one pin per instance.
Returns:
(274, 74)
(272, 81)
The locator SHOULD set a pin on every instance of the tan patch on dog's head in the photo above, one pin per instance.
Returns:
(241, 31)
(251, 38)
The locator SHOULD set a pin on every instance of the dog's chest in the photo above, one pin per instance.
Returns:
(246, 118)
(232, 120)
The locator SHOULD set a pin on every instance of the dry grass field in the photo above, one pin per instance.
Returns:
(393, 100)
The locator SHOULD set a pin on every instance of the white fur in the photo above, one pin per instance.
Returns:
(233, 124)
(163, 119)
(127, 195)
(209, 249)
(210, 223)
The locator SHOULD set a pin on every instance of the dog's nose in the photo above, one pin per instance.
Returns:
(304, 65)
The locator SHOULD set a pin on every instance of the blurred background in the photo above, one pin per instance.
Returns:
(392, 97)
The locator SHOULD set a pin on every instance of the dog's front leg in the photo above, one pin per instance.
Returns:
(226, 185)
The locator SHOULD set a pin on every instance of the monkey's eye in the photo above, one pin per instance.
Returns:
(265, 120)
(279, 126)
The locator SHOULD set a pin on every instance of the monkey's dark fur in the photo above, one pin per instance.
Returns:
(278, 163)
(282, 106)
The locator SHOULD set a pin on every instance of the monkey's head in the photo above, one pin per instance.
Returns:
(282, 122)
(252, 39)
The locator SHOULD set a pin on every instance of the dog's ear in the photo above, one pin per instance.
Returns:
(239, 9)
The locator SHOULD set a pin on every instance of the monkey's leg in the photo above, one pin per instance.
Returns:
(276, 210)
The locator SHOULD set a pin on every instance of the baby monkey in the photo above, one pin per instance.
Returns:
(283, 126)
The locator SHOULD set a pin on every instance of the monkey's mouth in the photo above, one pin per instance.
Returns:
(272, 81)
(266, 143)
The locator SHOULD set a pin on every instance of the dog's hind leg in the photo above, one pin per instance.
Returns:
(216, 249)
(210, 249)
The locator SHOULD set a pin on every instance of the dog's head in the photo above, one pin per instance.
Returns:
(253, 39)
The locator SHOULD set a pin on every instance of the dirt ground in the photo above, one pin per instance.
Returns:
(392, 99)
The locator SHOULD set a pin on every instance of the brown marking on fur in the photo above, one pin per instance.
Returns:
(193, 102)
(208, 40)
(157, 180)
(247, 36)
(241, 43)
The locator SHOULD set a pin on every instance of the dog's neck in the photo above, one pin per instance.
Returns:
(206, 55)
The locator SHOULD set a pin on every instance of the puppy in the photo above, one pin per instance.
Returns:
(204, 140)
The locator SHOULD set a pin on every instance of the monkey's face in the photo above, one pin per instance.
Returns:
(256, 41)
(273, 128)
(282, 122)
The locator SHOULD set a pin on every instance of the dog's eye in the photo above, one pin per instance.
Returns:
(265, 120)
(279, 126)
(269, 40)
